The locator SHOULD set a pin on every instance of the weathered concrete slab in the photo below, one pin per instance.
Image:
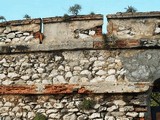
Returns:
(101, 87)
(79, 29)
(134, 15)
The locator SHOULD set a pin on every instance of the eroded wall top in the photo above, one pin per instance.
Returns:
(73, 32)
(135, 29)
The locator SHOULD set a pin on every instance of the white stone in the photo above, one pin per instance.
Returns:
(111, 78)
(132, 114)
(26, 77)
(92, 32)
(40, 70)
(6, 64)
(47, 105)
(53, 73)
(83, 36)
(70, 116)
(77, 68)
(11, 114)
(57, 58)
(84, 79)
(61, 79)
(111, 59)
(73, 110)
(15, 40)
(74, 79)
(15, 109)
(35, 76)
(97, 106)
(7, 104)
(119, 102)
(7, 82)
(97, 79)
(11, 35)
(24, 114)
(112, 108)
(109, 117)
(93, 59)
(83, 61)
(58, 105)
(46, 82)
(101, 72)
(28, 108)
(8, 40)
(18, 114)
(128, 108)
(13, 75)
(67, 68)
(31, 114)
(22, 38)
(111, 71)
(4, 109)
(95, 115)
(7, 30)
(60, 67)
(68, 75)
(41, 110)
(51, 111)
(26, 34)
(18, 32)
(3, 60)
(28, 38)
(98, 63)
(4, 114)
(2, 76)
(157, 30)
(141, 114)
(85, 72)
(54, 115)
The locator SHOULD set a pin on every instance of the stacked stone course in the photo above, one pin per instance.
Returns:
(68, 107)
(74, 63)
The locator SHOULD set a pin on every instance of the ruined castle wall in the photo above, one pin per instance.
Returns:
(74, 67)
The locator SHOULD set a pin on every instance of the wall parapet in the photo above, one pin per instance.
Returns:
(134, 15)
(72, 18)
(20, 22)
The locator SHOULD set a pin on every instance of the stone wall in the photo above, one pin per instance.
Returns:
(19, 32)
(68, 65)
(135, 29)
(74, 107)
(61, 67)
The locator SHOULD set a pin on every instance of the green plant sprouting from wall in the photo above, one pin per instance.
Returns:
(26, 16)
(40, 116)
(66, 18)
(92, 13)
(75, 9)
(87, 104)
(130, 9)
(2, 18)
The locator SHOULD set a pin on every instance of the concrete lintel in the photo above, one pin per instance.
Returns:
(20, 22)
(46, 47)
(120, 15)
(73, 18)
(82, 88)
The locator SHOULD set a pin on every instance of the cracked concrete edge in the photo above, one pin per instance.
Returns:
(82, 88)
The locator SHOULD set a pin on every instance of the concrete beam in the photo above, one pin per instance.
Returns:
(102, 87)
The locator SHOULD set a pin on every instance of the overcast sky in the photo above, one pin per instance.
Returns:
(16, 9)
